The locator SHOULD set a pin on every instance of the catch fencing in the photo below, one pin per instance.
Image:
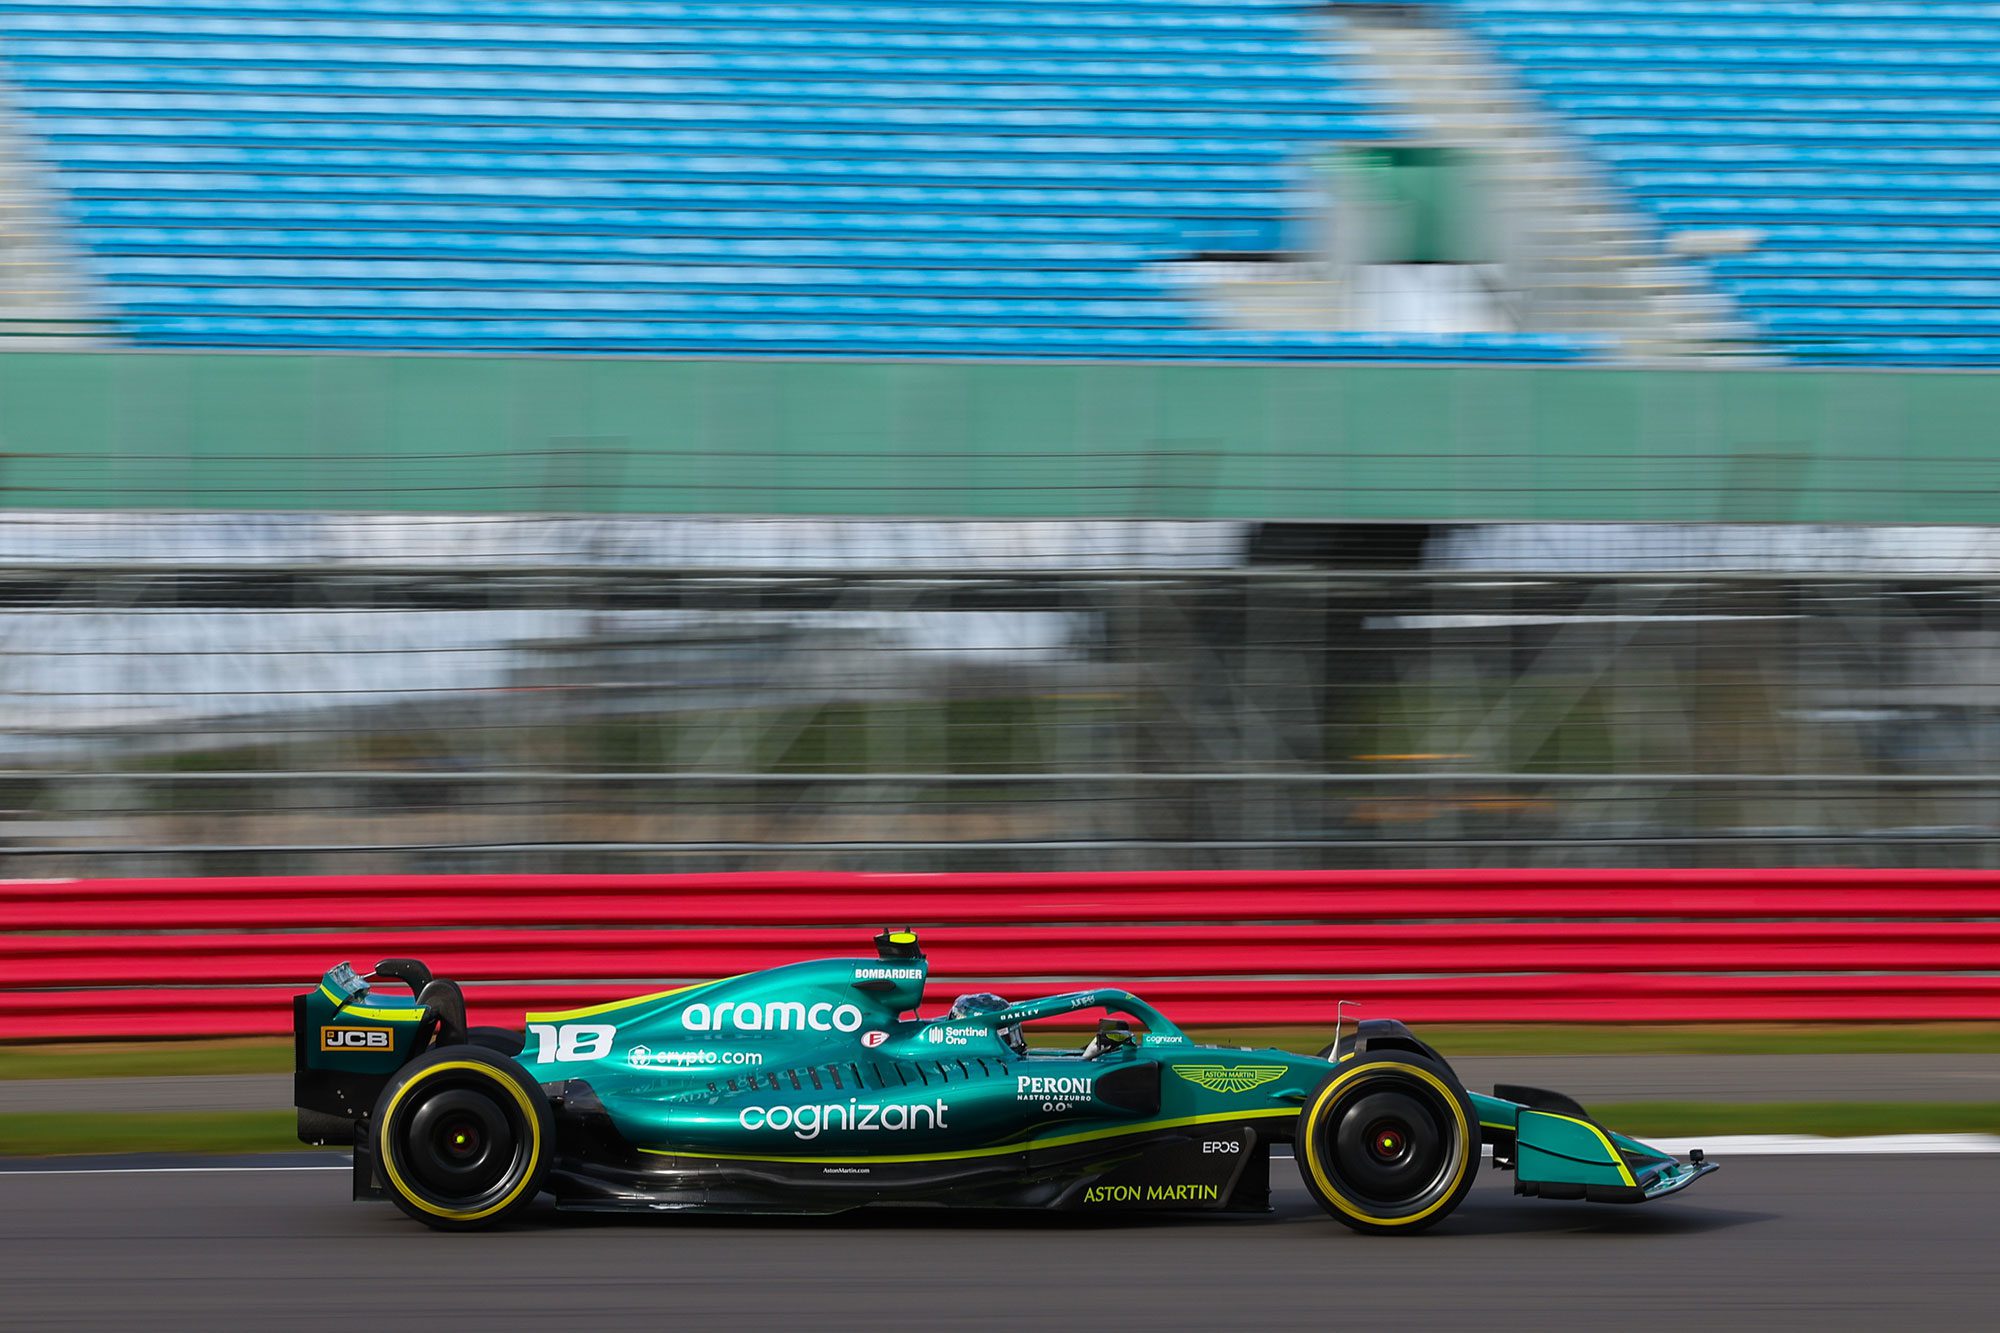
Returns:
(221, 957)
(247, 703)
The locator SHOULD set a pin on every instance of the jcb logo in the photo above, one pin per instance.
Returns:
(354, 1039)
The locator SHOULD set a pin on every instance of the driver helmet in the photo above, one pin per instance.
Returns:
(986, 1002)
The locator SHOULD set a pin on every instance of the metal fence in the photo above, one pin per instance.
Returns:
(1066, 697)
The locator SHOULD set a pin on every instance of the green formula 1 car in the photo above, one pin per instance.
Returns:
(812, 1088)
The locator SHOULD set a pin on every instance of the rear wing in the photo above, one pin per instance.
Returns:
(348, 1040)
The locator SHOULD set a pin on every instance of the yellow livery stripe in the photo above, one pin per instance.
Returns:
(1005, 1149)
(611, 1006)
(402, 1013)
(1611, 1148)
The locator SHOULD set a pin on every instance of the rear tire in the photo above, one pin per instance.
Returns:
(463, 1137)
(1388, 1143)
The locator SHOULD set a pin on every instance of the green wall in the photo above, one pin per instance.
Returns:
(508, 434)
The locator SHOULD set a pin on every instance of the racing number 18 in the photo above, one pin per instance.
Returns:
(571, 1041)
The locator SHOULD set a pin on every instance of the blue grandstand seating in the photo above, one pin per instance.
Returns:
(978, 178)
(1861, 141)
(965, 178)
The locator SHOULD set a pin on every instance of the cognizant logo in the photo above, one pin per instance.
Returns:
(806, 1122)
(775, 1016)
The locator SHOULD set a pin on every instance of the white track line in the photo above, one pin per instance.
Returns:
(166, 1170)
(1719, 1146)
(1796, 1145)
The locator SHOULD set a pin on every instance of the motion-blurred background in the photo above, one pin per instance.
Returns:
(1013, 434)
(445, 436)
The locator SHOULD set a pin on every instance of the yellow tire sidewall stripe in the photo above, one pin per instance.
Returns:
(1309, 1137)
(388, 1156)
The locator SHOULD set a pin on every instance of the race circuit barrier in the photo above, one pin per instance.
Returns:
(221, 957)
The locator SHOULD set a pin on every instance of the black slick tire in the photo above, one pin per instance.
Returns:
(462, 1138)
(1388, 1143)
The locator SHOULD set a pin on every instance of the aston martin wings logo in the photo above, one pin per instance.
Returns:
(1229, 1078)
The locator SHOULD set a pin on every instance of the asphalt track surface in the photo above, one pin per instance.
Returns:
(1588, 1078)
(1821, 1243)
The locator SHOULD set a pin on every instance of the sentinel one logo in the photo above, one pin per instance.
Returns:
(354, 1039)
(806, 1122)
(775, 1016)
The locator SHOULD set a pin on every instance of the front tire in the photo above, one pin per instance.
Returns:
(463, 1137)
(1389, 1143)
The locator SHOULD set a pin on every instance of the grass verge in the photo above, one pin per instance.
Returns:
(60, 1134)
(148, 1059)
(67, 1133)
